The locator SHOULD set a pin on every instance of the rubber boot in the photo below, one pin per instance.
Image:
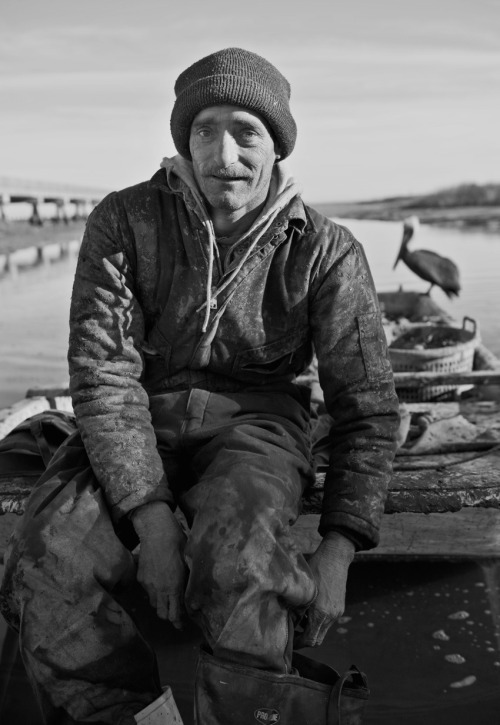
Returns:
(314, 694)
(163, 711)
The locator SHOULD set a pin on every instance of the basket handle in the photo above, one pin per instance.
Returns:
(472, 322)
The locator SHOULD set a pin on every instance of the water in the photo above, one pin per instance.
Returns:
(394, 611)
(34, 311)
(34, 307)
(476, 253)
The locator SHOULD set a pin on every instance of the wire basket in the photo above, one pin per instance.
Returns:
(434, 348)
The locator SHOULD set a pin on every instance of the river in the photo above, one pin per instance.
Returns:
(34, 306)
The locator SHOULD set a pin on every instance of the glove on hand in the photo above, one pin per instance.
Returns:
(329, 565)
(161, 568)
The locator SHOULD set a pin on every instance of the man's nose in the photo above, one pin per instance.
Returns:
(227, 150)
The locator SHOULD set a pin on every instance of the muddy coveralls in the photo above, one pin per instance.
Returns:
(211, 422)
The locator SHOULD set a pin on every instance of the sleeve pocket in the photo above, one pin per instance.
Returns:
(374, 348)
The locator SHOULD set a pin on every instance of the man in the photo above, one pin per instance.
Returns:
(197, 301)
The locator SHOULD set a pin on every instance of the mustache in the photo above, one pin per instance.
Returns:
(226, 173)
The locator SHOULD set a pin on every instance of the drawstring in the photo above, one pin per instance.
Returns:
(210, 275)
(235, 271)
(231, 277)
(283, 189)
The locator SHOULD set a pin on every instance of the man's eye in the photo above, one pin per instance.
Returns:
(248, 134)
(204, 132)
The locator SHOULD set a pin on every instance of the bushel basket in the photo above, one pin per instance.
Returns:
(434, 348)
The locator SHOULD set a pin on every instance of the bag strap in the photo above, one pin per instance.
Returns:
(36, 429)
(49, 430)
(334, 708)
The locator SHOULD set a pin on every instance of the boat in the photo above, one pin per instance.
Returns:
(444, 498)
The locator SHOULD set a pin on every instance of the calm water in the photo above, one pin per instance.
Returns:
(394, 611)
(34, 307)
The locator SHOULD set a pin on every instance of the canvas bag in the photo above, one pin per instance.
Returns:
(25, 452)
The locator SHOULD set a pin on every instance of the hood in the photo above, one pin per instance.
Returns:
(180, 178)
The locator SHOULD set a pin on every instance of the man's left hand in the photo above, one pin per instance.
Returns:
(329, 565)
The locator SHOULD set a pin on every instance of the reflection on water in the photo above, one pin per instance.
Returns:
(34, 310)
(34, 307)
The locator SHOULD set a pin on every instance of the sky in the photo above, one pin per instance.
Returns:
(391, 97)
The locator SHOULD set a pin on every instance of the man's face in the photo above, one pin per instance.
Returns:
(233, 154)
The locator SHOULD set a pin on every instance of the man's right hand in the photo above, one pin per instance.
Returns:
(161, 569)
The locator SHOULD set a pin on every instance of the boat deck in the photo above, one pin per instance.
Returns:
(442, 505)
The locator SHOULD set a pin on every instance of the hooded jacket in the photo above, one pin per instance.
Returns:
(154, 309)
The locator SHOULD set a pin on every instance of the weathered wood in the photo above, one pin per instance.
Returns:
(58, 391)
(474, 482)
(472, 533)
(454, 447)
(432, 461)
(423, 378)
(471, 483)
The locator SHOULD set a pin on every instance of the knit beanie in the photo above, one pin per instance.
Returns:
(239, 78)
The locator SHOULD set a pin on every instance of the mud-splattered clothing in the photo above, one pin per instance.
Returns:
(237, 469)
(136, 330)
(211, 421)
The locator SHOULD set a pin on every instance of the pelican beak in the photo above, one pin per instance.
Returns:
(407, 235)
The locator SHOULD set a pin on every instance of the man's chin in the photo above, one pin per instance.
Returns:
(226, 201)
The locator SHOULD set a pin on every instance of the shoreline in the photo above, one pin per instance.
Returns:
(482, 218)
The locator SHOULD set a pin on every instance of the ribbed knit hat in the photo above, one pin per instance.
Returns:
(239, 78)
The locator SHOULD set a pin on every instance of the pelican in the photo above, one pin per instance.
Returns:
(428, 265)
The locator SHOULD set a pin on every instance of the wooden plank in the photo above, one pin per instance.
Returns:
(422, 378)
(472, 533)
(474, 482)
(50, 392)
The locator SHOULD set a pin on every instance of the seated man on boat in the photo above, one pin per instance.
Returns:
(198, 299)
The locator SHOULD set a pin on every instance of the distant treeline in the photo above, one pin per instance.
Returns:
(462, 195)
(464, 205)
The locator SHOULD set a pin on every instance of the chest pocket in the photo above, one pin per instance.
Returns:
(288, 355)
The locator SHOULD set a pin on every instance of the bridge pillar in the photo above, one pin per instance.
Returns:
(35, 217)
(10, 266)
(80, 209)
(61, 211)
(4, 200)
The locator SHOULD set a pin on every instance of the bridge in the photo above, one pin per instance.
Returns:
(83, 199)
